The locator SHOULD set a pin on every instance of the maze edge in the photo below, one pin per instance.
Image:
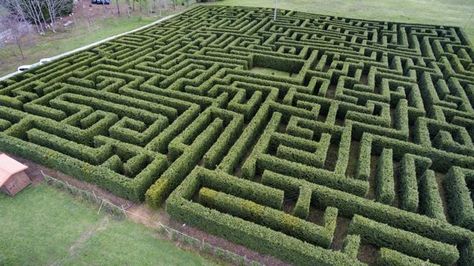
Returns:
(255, 126)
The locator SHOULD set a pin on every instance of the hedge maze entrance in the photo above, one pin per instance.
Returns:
(277, 135)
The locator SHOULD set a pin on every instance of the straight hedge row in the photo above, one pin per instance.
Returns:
(254, 236)
(406, 242)
(350, 205)
(268, 217)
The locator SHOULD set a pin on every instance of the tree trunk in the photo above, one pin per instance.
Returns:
(52, 13)
(31, 13)
(39, 14)
(128, 8)
(18, 43)
(118, 7)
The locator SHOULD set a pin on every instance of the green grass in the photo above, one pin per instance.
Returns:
(444, 12)
(43, 226)
(269, 71)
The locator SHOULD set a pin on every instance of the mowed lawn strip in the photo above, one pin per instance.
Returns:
(43, 226)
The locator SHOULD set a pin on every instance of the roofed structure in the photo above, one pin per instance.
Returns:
(13, 178)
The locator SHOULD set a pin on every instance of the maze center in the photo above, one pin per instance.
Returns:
(277, 135)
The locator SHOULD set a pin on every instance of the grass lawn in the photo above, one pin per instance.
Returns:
(444, 12)
(44, 226)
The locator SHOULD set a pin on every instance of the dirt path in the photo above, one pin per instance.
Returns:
(77, 245)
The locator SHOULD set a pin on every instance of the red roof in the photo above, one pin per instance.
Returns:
(9, 167)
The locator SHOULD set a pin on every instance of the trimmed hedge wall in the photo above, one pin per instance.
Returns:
(349, 205)
(302, 206)
(252, 235)
(409, 243)
(235, 118)
(460, 205)
(384, 179)
(390, 257)
(276, 220)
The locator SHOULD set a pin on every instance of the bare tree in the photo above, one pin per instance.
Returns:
(104, 9)
(18, 28)
(163, 6)
(118, 7)
(128, 7)
(33, 10)
(89, 18)
(153, 7)
(41, 13)
(28, 10)
(54, 7)
(15, 7)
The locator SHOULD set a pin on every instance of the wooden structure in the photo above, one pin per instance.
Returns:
(12, 175)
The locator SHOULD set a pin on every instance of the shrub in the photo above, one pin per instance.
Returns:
(390, 257)
(385, 236)
(302, 206)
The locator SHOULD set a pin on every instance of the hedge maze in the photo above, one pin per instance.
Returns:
(311, 138)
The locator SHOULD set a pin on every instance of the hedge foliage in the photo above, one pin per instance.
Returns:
(273, 134)
(252, 235)
(302, 206)
(389, 257)
(348, 205)
(276, 220)
(384, 179)
(409, 243)
(460, 205)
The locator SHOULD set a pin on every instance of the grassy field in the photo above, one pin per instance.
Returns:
(43, 226)
(444, 12)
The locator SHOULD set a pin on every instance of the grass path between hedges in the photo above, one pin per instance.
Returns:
(442, 12)
(44, 226)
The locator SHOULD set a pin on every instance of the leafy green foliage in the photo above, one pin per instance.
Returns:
(274, 134)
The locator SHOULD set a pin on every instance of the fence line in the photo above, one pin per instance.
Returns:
(163, 230)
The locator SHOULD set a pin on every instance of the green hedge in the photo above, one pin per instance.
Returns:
(318, 176)
(458, 197)
(383, 235)
(302, 206)
(351, 245)
(133, 189)
(390, 257)
(349, 205)
(243, 188)
(273, 219)
(188, 155)
(257, 237)
(430, 199)
(384, 179)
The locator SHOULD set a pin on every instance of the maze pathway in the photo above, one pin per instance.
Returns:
(311, 138)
